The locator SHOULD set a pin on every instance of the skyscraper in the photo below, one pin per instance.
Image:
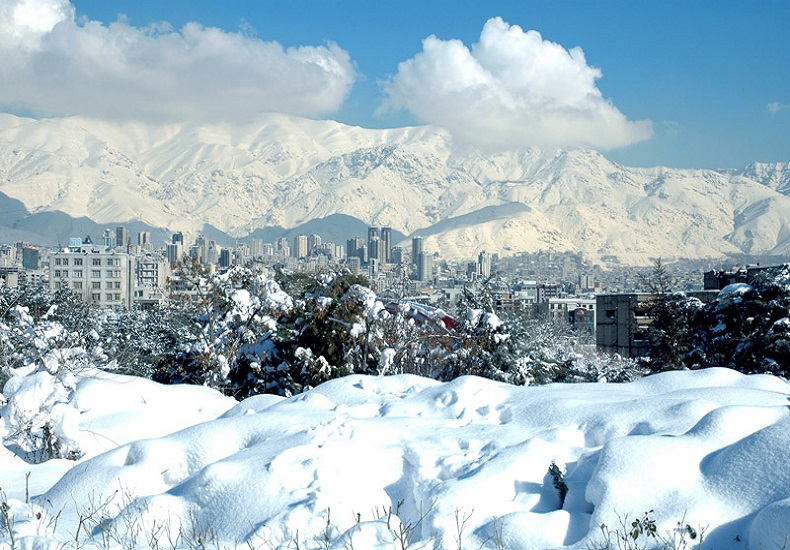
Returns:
(416, 249)
(300, 246)
(484, 259)
(424, 266)
(386, 244)
(121, 236)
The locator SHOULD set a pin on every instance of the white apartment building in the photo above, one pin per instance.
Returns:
(102, 278)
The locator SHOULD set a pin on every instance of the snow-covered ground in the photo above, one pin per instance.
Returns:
(373, 462)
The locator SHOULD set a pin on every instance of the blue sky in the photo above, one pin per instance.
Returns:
(682, 84)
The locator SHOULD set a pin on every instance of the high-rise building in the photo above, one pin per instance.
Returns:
(109, 238)
(386, 243)
(256, 248)
(121, 236)
(373, 233)
(313, 242)
(31, 257)
(484, 262)
(300, 246)
(144, 241)
(174, 252)
(375, 250)
(178, 238)
(424, 267)
(225, 257)
(355, 248)
(202, 244)
(416, 249)
(396, 255)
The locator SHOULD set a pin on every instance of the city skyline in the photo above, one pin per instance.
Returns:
(675, 84)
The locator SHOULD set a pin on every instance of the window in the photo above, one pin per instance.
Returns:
(77, 261)
(58, 261)
(117, 297)
(96, 261)
(65, 273)
(96, 274)
(108, 285)
(78, 274)
(65, 261)
(96, 297)
(109, 273)
(117, 285)
(77, 285)
(108, 297)
(57, 274)
(96, 285)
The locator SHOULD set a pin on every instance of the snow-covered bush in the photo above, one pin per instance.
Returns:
(40, 362)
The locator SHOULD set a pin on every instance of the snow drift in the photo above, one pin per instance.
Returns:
(366, 461)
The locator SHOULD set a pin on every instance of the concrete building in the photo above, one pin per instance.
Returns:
(99, 277)
(122, 236)
(386, 243)
(416, 249)
(424, 267)
(299, 249)
(484, 264)
(621, 323)
(31, 258)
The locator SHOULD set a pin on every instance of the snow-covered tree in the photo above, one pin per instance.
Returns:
(747, 327)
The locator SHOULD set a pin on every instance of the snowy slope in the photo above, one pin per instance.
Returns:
(285, 171)
(466, 459)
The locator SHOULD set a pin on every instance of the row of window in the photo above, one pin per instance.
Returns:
(95, 274)
(112, 262)
(96, 285)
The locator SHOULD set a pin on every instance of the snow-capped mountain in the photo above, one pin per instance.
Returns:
(285, 171)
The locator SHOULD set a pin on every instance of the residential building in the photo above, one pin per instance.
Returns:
(299, 249)
(99, 277)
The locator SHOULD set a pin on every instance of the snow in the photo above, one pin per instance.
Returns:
(363, 461)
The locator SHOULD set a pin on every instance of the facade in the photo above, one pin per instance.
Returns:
(424, 267)
(484, 264)
(621, 323)
(416, 249)
(102, 278)
(299, 249)
(386, 243)
(122, 237)
(31, 258)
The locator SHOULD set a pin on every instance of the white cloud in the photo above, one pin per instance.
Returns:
(512, 89)
(774, 107)
(54, 64)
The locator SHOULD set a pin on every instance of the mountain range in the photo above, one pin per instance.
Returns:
(280, 175)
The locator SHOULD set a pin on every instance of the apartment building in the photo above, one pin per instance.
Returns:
(99, 277)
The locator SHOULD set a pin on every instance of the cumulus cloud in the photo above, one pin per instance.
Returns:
(55, 64)
(512, 89)
(774, 107)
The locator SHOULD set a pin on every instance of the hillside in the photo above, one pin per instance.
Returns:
(281, 171)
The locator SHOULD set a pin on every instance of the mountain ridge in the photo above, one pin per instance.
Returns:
(282, 171)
